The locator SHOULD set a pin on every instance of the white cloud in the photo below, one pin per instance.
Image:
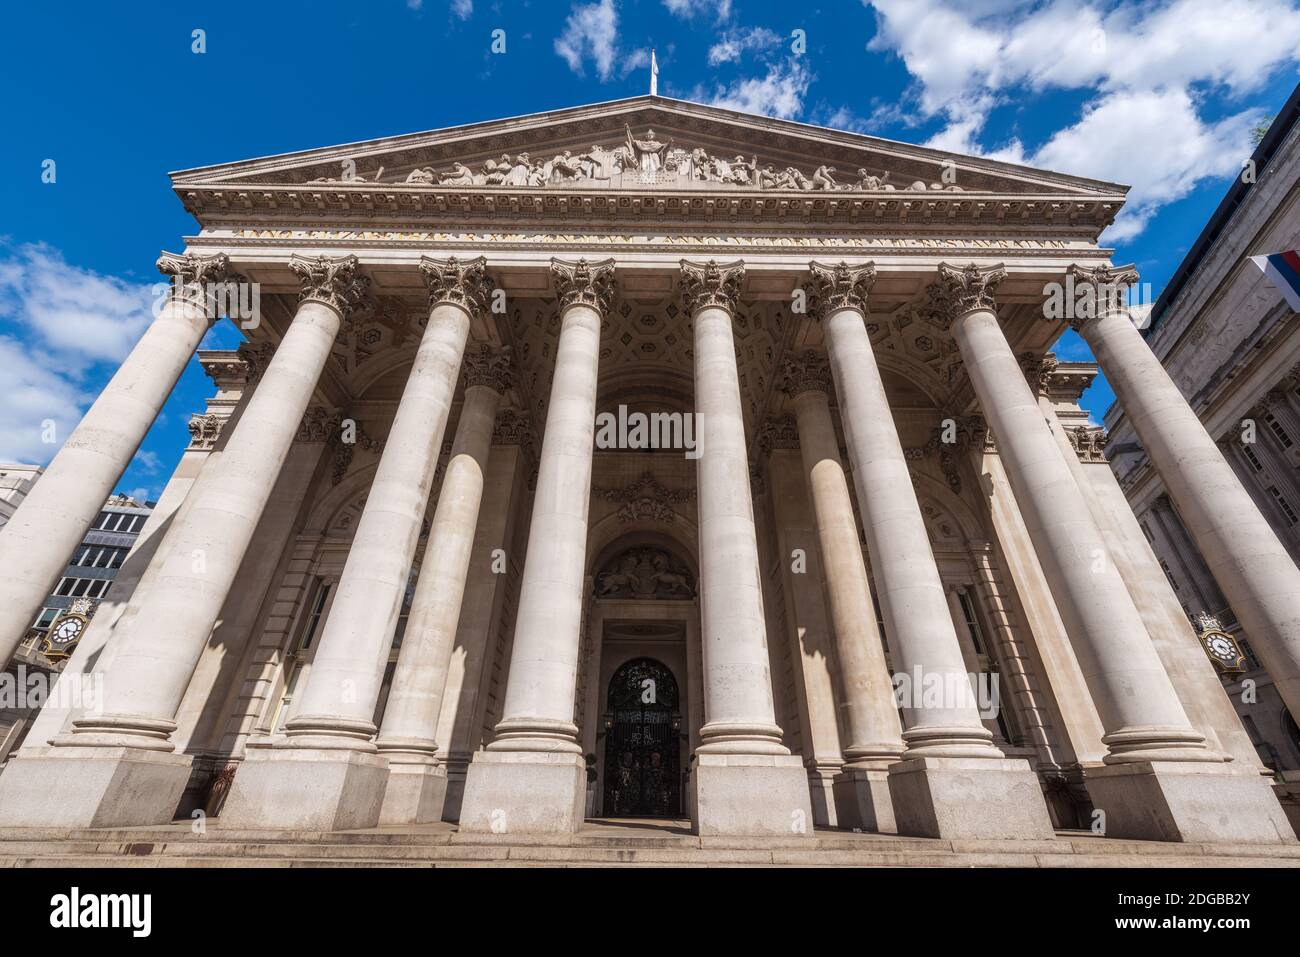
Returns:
(59, 322)
(721, 9)
(779, 93)
(735, 43)
(590, 31)
(1144, 61)
(461, 8)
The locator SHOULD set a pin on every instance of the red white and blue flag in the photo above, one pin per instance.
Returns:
(1283, 270)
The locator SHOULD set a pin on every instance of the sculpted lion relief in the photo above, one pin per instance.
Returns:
(645, 572)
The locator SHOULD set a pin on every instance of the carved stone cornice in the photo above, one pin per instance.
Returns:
(190, 272)
(487, 366)
(807, 372)
(778, 432)
(969, 433)
(961, 290)
(1088, 442)
(333, 281)
(205, 430)
(318, 425)
(839, 286)
(645, 499)
(1038, 370)
(461, 282)
(709, 284)
(584, 283)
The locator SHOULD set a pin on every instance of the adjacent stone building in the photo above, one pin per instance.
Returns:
(644, 459)
(1232, 345)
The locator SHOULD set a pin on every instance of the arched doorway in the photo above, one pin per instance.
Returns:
(642, 763)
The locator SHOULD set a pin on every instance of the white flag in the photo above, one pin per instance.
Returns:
(654, 75)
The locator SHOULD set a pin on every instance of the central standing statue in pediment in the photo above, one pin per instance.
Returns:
(648, 154)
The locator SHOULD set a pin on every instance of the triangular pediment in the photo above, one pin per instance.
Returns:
(610, 146)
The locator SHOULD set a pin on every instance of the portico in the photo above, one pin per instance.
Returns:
(452, 579)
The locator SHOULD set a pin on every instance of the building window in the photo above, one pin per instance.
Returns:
(1252, 458)
(1173, 582)
(1284, 505)
(46, 616)
(300, 664)
(1275, 427)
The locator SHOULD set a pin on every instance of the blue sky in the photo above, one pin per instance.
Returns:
(1159, 95)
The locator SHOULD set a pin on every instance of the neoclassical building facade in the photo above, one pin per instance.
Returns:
(683, 475)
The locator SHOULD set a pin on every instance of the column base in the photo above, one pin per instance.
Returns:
(415, 793)
(968, 799)
(751, 794)
(304, 789)
(1187, 802)
(821, 791)
(524, 792)
(862, 800)
(92, 787)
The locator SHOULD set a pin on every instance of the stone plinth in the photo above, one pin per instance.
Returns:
(307, 790)
(1187, 802)
(862, 800)
(525, 792)
(738, 795)
(968, 799)
(415, 793)
(92, 787)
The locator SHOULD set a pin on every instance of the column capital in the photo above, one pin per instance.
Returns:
(808, 371)
(331, 280)
(461, 282)
(584, 283)
(318, 424)
(778, 432)
(205, 430)
(256, 357)
(1038, 370)
(189, 272)
(1088, 441)
(839, 286)
(961, 290)
(711, 284)
(487, 366)
(1105, 288)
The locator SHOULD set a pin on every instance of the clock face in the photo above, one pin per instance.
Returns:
(1222, 648)
(69, 629)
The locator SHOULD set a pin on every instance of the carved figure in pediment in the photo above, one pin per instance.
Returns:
(868, 181)
(460, 175)
(701, 165)
(768, 178)
(496, 171)
(348, 177)
(645, 572)
(743, 172)
(423, 176)
(563, 168)
(793, 179)
(649, 153)
(824, 178)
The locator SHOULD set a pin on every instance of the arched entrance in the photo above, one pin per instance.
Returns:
(642, 760)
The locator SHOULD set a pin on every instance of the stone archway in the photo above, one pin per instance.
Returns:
(642, 742)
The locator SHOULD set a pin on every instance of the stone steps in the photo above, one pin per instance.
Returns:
(442, 846)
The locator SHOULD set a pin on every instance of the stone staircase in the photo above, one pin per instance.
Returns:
(599, 844)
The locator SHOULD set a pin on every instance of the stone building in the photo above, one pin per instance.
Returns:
(1232, 345)
(16, 480)
(717, 470)
(87, 578)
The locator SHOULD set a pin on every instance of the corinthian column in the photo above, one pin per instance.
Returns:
(952, 782)
(875, 742)
(746, 781)
(417, 779)
(327, 758)
(123, 758)
(1248, 561)
(1157, 760)
(54, 517)
(532, 778)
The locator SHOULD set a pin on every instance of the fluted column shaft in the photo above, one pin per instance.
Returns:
(54, 517)
(738, 708)
(1252, 567)
(1137, 703)
(539, 702)
(415, 699)
(157, 653)
(875, 736)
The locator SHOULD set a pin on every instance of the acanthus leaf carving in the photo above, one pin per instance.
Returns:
(711, 284)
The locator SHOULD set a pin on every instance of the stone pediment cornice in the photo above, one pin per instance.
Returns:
(350, 204)
(643, 154)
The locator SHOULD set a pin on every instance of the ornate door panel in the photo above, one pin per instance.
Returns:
(642, 749)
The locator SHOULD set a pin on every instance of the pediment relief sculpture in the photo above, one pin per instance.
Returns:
(645, 160)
